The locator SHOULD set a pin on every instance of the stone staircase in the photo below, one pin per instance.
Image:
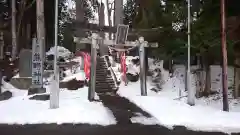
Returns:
(105, 78)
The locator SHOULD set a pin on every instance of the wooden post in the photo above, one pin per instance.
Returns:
(91, 91)
(143, 85)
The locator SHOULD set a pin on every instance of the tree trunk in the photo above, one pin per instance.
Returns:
(109, 11)
(170, 67)
(237, 77)
(40, 25)
(118, 14)
(207, 70)
(14, 37)
(207, 89)
(1, 58)
(103, 49)
(118, 17)
(200, 78)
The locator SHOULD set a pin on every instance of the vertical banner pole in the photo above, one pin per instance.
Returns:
(54, 95)
(191, 92)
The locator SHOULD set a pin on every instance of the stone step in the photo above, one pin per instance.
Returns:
(104, 79)
(99, 91)
(105, 85)
(101, 79)
(101, 73)
(100, 61)
(107, 80)
(101, 67)
(103, 76)
(105, 89)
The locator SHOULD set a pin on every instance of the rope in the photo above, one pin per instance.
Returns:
(122, 50)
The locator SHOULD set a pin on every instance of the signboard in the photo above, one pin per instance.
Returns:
(37, 64)
(121, 35)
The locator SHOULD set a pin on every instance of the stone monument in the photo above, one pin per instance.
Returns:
(37, 68)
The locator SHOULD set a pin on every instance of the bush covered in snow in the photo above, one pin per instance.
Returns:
(63, 52)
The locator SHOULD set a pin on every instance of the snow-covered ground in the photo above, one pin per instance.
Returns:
(165, 106)
(170, 110)
(74, 108)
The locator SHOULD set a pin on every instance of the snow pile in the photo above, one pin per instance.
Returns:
(70, 76)
(131, 67)
(63, 52)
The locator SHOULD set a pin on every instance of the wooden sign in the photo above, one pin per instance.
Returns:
(121, 35)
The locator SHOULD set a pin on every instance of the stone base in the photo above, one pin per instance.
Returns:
(32, 91)
(21, 83)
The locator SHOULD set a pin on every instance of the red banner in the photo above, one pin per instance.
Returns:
(87, 63)
(124, 66)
